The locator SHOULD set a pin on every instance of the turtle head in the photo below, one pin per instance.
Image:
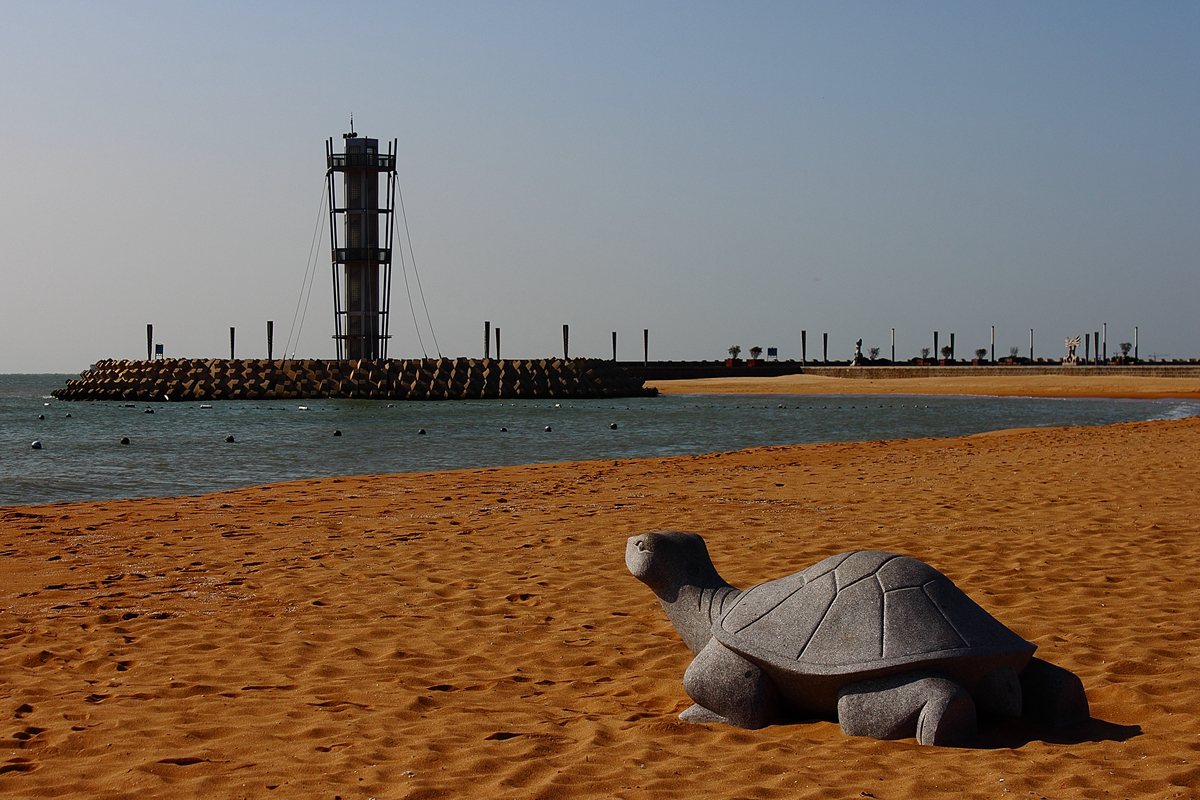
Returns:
(667, 561)
(677, 567)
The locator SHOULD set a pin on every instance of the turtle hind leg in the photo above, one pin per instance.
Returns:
(934, 709)
(728, 688)
(1052, 695)
(699, 714)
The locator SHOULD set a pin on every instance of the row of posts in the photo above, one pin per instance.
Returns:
(156, 350)
(566, 342)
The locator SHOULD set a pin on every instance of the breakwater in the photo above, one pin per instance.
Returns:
(390, 379)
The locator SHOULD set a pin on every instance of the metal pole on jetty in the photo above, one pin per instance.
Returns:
(231, 343)
(893, 345)
(645, 347)
(497, 342)
(487, 338)
(1135, 342)
(803, 348)
(149, 342)
(614, 345)
(270, 340)
(993, 345)
(825, 347)
(565, 337)
(1031, 345)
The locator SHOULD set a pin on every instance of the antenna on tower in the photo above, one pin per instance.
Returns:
(351, 134)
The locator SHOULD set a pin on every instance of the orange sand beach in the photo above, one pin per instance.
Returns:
(476, 633)
(1115, 386)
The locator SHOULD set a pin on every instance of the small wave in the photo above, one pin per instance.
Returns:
(1180, 411)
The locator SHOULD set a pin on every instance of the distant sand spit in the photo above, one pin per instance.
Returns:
(475, 633)
(1066, 385)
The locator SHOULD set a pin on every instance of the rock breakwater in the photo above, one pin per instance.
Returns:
(390, 379)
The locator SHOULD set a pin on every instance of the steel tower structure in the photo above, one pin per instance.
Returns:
(362, 265)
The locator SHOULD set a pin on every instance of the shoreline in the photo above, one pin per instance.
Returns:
(1108, 387)
(476, 631)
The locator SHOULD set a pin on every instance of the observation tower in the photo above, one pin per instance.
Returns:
(362, 265)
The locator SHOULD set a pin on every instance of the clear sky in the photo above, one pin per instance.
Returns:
(728, 173)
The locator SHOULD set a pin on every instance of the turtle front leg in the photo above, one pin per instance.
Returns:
(934, 709)
(728, 688)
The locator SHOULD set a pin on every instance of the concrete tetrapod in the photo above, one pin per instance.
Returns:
(884, 643)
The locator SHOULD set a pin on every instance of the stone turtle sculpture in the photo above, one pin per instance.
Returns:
(883, 642)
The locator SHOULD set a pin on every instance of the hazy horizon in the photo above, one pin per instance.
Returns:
(717, 173)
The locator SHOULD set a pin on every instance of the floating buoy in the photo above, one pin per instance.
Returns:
(504, 430)
(37, 445)
(205, 405)
(302, 408)
(421, 432)
(41, 416)
(230, 439)
(124, 440)
(68, 416)
(612, 426)
(337, 433)
(149, 411)
(547, 429)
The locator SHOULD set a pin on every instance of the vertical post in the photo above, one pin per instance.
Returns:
(1105, 343)
(487, 338)
(1087, 347)
(565, 338)
(951, 346)
(231, 343)
(149, 342)
(270, 340)
(1135, 342)
(614, 345)
(645, 347)
(1031, 345)
(993, 345)
(497, 342)
(803, 348)
(936, 354)
(1096, 341)
(893, 346)
(825, 347)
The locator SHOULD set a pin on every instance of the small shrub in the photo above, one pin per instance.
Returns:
(873, 353)
(947, 351)
(924, 352)
(981, 353)
(735, 351)
(755, 351)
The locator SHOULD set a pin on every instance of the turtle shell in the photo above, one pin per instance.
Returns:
(863, 614)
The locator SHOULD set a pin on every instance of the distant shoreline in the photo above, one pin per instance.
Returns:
(1122, 386)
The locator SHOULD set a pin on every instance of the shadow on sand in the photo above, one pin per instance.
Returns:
(996, 734)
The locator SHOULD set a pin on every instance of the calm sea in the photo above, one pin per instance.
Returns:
(180, 449)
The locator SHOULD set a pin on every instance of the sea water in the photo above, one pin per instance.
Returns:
(181, 448)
